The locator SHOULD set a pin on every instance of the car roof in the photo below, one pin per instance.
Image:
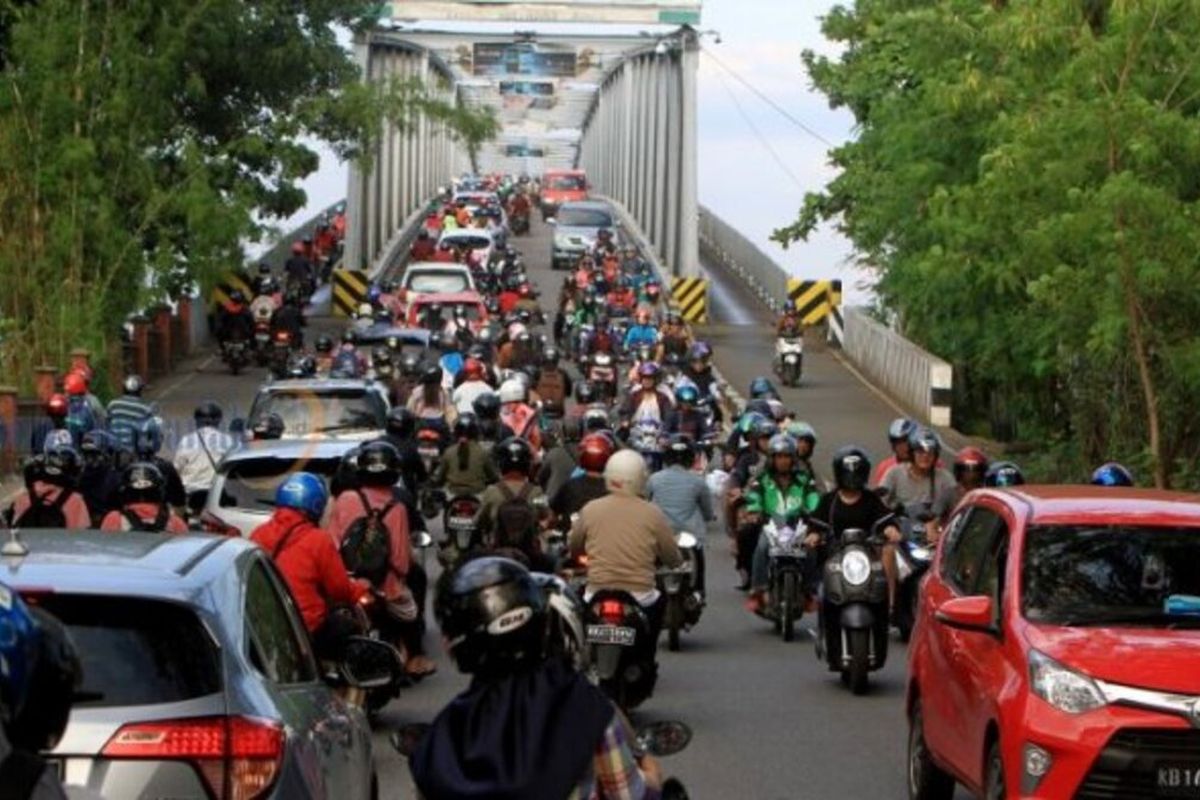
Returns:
(565, 172)
(462, 233)
(589, 205)
(1101, 505)
(439, 266)
(128, 563)
(425, 298)
(381, 333)
(316, 385)
(290, 449)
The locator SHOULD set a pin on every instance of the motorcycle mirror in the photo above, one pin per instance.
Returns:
(551, 221)
(423, 540)
(406, 738)
(369, 663)
(686, 541)
(664, 738)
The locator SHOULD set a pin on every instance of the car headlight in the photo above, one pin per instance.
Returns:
(1063, 688)
(856, 567)
(562, 242)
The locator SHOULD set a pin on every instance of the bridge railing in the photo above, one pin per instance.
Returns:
(724, 244)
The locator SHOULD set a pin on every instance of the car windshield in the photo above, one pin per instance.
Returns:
(250, 483)
(584, 218)
(1108, 575)
(326, 411)
(137, 651)
(473, 242)
(568, 183)
(438, 282)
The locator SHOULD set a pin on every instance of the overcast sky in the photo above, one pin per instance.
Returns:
(740, 180)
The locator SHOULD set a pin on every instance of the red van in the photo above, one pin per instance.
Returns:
(562, 186)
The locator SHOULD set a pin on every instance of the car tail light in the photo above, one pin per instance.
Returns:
(612, 611)
(211, 524)
(238, 757)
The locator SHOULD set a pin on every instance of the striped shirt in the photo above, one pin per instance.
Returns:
(615, 773)
(125, 416)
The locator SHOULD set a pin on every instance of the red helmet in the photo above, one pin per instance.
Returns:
(56, 406)
(525, 290)
(970, 459)
(473, 369)
(297, 247)
(594, 452)
(75, 384)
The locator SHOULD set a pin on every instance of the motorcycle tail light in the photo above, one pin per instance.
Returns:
(612, 611)
(463, 508)
(282, 336)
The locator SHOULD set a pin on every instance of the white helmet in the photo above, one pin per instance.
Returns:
(366, 311)
(516, 329)
(512, 391)
(625, 473)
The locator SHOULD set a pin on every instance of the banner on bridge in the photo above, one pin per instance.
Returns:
(815, 300)
(691, 295)
(349, 291)
(654, 12)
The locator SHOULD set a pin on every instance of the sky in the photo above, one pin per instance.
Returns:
(740, 179)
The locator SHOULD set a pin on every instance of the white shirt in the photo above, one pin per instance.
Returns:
(192, 458)
(466, 395)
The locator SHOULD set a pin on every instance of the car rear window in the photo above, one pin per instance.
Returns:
(327, 411)
(439, 282)
(251, 483)
(137, 651)
(567, 183)
(473, 242)
(584, 218)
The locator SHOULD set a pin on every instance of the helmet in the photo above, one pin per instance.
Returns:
(74, 384)
(374, 293)
(596, 419)
(778, 410)
(550, 356)
(56, 406)
(324, 344)
(585, 393)
(648, 370)
(969, 459)
(97, 448)
(433, 310)
(851, 469)
(764, 428)
(782, 445)
(700, 351)
(1112, 474)
(802, 431)
(264, 268)
(487, 406)
(61, 465)
(761, 388)
(143, 482)
(18, 653)
(378, 464)
(466, 427)
(687, 393)
(148, 439)
(39, 674)
(207, 415)
(513, 391)
(513, 455)
(1003, 473)
(269, 427)
(365, 311)
(473, 369)
(901, 429)
(625, 473)
(134, 385)
(594, 452)
(760, 407)
(925, 440)
(680, 450)
(401, 422)
(493, 614)
(431, 375)
(410, 364)
(303, 492)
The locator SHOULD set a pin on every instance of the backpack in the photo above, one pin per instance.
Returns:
(156, 525)
(516, 519)
(366, 548)
(80, 418)
(41, 514)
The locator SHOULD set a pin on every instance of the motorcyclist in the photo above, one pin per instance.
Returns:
(781, 492)
(605, 244)
(199, 453)
(430, 402)
(594, 452)
(1112, 474)
(492, 429)
(423, 248)
(922, 481)
(299, 270)
(970, 466)
(234, 322)
(99, 478)
(674, 338)
(564, 737)
(451, 360)
(289, 319)
(465, 467)
(558, 464)
(378, 469)
(268, 298)
(518, 414)
(685, 417)
(144, 507)
(683, 496)
(789, 325)
(554, 385)
(806, 445)
(642, 332)
(400, 431)
(649, 400)
(699, 371)
(267, 428)
(473, 386)
(50, 496)
(324, 354)
(898, 434)
(621, 299)
(1003, 474)
(127, 412)
(407, 379)
(518, 532)
(761, 388)
(310, 563)
(146, 448)
(754, 459)
(263, 278)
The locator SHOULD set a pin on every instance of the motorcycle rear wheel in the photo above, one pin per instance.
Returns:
(787, 609)
(856, 673)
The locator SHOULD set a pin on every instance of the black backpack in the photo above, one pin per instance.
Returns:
(156, 525)
(516, 519)
(366, 548)
(41, 514)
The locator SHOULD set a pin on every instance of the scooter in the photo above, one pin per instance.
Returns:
(429, 447)
(602, 375)
(461, 523)
(852, 621)
(622, 650)
(234, 354)
(684, 602)
(785, 575)
(789, 359)
(913, 558)
(646, 438)
(281, 353)
(262, 342)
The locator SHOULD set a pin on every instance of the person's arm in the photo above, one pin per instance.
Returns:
(336, 585)
(664, 539)
(618, 776)
(439, 472)
(577, 540)
(704, 500)
(401, 540)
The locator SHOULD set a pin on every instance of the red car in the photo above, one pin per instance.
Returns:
(1057, 648)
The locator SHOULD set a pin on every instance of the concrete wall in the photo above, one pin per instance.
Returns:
(723, 243)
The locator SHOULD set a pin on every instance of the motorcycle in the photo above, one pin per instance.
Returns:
(789, 359)
(519, 224)
(913, 558)
(684, 603)
(373, 614)
(786, 575)
(429, 447)
(234, 354)
(602, 375)
(281, 353)
(262, 342)
(852, 618)
(461, 523)
(622, 651)
(646, 438)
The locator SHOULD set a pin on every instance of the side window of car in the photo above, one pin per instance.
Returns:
(962, 561)
(273, 630)
(991, 570)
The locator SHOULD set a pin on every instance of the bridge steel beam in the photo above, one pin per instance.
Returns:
(639, 145)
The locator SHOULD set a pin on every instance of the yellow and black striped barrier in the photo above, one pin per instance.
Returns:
(349, 291)
(691, 296)
(814, 300)
(233, 281)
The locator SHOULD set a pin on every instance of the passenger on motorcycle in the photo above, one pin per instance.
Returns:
(465, 467)
(146, 446)
(423, 249)
(430, 402)
(699, 371)
(473, 386)
(518, 414)
(347, 362)
(452, 358)
(234, 322)
(649, 400)
(754, 458)
(324, 354)
(492, 430)
(621, 298)
(513, 509)
(806, 444)
(762, 389)
(298, 269)
(311, 565)
(683, 496)
(566, 740)
(674, 338)
(970, 465)
(400, 431)
(1112, 474)
(554, 385)
(99, 477)
(143, 503)
(50, 499)
(898, 434)
(789, 325)
(780, 492)
(643, 332)
(685, 417)
(594, 452)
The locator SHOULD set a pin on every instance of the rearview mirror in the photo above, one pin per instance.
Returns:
(968, 614)
(370, 663)
(686, 541)
(551, 221)
(664, 738)
(406, 738)
(422, 540)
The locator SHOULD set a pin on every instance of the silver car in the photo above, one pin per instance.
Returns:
(243, 493)
(324, 408)
(576, 228)
(198, 676)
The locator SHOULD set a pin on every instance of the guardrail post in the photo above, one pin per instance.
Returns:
(8, 428)
(45, 382)
(141, 346)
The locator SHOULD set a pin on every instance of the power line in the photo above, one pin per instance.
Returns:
(759, 135)
(783, 111)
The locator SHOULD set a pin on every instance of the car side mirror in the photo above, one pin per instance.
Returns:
(369, 663)
(975, 614)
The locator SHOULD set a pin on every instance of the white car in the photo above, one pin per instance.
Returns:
(324, 408)
(481, 241)
(435, 277)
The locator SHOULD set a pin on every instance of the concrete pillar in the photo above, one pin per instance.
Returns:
(688, 263)
(663, 154)
(185, 307)
(674, 140)
(45, 382)
(141, 346)
(355, 190)
(8, 428)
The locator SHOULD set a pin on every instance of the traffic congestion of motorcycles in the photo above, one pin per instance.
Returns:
(536, 471)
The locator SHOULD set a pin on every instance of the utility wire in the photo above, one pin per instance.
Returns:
(783, 111)
(759, 135)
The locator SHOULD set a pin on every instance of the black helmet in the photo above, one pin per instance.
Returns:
(401, 423)
(901, 429)
(487, 407)
(550, 356)
(55, 675)
(681, 450)
(585, 393)
(431, 375)
(324, 344)
(134, 385)
(237, 296)
(759, 406)
(1003, 473)
(851, 469)
(380, 354)
(466, 427)
(97, 448)
(493, 614)
(61, 466)
(207, 415)
(410, 364)
(925, 440)
(513, 455)
(378, 464)
(143, 482)
(269, 427)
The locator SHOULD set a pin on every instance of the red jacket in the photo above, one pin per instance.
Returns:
(310, 564)
(423, 250)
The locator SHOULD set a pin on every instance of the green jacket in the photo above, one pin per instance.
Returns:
(765, 496)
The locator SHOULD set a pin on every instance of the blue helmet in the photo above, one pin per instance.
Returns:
(1112, 474)
(687, 393)
(149, 438)
(374, 293)
(761, 388)
(19, 641)
(304, 492)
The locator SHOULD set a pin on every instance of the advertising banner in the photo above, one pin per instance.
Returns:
(524, 58)
(630, 12)
(521, 95)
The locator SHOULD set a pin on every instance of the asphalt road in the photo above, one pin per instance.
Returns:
(769, 721)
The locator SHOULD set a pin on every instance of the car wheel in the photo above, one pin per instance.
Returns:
(994, 785)
(926, 780)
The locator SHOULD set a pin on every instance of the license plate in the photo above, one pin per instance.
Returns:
(1179, 780)
(262, 337)
(611, 634)
(461, 522)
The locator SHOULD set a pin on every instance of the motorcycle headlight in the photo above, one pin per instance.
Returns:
(856, 567)
(1063, 688)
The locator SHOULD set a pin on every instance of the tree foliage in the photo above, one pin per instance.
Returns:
(1025, 182)
(143, 142)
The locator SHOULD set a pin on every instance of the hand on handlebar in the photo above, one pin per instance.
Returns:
(812, 541)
